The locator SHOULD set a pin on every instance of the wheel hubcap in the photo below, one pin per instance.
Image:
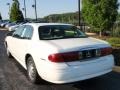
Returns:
(32, 72)
(7, 52)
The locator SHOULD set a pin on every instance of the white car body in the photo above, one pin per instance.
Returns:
(64, 72)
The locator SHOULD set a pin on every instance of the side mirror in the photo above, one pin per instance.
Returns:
(10, 33)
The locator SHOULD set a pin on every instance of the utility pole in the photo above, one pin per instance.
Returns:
(79, 13)
(35, 10)
(25, 9)
(35, 7)
(9, 8)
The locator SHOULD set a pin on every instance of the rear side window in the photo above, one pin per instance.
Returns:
(28, 32)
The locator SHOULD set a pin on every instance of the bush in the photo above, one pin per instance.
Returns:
(114, 41)
(116, 32)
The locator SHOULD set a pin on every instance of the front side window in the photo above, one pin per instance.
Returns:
(51, 32)
(18, 32)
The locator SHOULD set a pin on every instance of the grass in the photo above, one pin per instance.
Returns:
(114, 41)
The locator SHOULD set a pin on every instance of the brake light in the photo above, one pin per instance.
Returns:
(78, 55)
(106, 51)
(56, 58)
(64, 57)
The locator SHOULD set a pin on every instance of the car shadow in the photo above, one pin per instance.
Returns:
(110, 81)
(116, 53)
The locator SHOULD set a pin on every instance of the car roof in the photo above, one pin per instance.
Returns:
(44, 24)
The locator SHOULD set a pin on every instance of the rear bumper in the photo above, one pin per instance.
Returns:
(85, 70)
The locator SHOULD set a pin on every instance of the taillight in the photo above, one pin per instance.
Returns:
(106, 51)
(79, 55)
(56, 58)
(64, 57)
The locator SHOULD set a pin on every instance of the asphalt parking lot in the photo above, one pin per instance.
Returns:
(13, 77)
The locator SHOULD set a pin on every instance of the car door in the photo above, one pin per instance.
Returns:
(9, 40)
(25, 42)
(16, 38)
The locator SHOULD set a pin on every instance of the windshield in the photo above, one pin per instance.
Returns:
(52, 32)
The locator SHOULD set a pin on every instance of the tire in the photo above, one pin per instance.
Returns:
(8, 53)
(32, 72)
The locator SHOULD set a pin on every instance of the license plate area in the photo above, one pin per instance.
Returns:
(86, 54)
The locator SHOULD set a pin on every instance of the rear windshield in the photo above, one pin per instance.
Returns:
(51, 32)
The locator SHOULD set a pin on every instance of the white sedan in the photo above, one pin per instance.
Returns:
(58, 53)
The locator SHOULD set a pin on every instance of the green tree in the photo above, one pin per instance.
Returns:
(0, 17)
(16, 14)
(63, 18)
(100, 14)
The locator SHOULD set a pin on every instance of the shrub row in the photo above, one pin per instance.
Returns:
(114, 41)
